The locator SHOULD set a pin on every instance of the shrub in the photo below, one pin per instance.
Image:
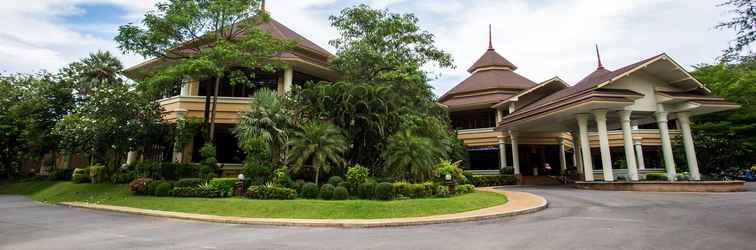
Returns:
(507, 171)
(225, 184)
(270, 192)
(451, 168)
(97, 174)
(366, 190)
(684, 176)
(60, 175)
(184, 170)
(204, 191)
(310, 191)
(209, 164)
(341, 193)
(468, 178)
(140, 185)
(163, 189)
(384, 191)
(335, 180)
(493, 180)
(259, 172)
(326, 191)
(403, 189)
(464, 189)
(120, 178)
(423, 190)
(298, 185)
(188, 182)
(281, 177)
(153, 186)
(656, 177)
(356, 175)
(148, 169)
(442, 191)
(80, 175)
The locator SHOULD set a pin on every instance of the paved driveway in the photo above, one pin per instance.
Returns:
(575, 220)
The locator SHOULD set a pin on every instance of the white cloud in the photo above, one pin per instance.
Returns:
(543, 38)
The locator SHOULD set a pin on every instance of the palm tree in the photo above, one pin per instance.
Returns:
(267, 120)
(408, 156)
(97, 70)
(320, 141)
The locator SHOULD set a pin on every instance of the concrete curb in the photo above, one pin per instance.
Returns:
(518, 203)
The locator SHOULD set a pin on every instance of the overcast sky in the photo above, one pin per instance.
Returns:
(544, 38)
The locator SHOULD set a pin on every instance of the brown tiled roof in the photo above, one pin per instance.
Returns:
(491, 59)
(590, 82)
(476, 99)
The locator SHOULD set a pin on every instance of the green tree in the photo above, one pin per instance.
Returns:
(744, 23)
(726, 141)
(201, 40)
(99, 69)
(410, 157)
(267, 120)
(321, 142)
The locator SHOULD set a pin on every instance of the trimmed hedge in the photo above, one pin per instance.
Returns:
(310, 191)
(121, 178)
(341, 193)
(97, 174)
(416, 190)
(326, 191)
(204, 191)
(464, 189)
(656, 177)
(493, 180)
(366, 190)
(225, 184)
(80, 175)
(188, 182)
(163, 189)
(384, 191)
(442, 191)
(271, 193)
(335, 180)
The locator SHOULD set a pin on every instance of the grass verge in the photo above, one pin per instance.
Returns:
(119, 195)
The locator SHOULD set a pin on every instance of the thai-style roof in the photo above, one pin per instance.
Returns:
(491, 59)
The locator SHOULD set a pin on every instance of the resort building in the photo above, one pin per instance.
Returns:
(612, 124)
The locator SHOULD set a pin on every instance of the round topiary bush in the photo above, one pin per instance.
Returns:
(326, 191)
(310, 191)
(163, 189)
(341, 193)
(366, 190)
(335, 180)
(384, 191)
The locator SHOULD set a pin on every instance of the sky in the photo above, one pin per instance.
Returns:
(543, 38)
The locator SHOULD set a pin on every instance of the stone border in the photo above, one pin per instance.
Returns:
(664, 186)
(517, 203)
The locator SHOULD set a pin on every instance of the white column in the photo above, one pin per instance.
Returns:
(606, 157)
(185, 87)
(669, 161)
(562, 157)
(178, 153)
(627, 133)
(515, 152)
(131, 157)
(585, 146)
(288, 79)
(511, 107)
(639, 153)
(690, 150)
(577, 159)
(502, 152)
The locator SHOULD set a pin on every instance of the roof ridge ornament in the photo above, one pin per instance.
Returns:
(490, 43)
(598, 56)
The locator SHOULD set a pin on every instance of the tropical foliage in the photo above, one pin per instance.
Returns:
(410, 157)
(267, 121)
(322, 143)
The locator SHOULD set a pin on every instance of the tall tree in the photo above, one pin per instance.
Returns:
(201, 40)
(99, 69)
(321, 142)
(744, 23)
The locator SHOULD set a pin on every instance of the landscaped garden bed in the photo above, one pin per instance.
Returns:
(119, 195)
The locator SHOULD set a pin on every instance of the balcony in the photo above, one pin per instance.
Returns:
(227, 111)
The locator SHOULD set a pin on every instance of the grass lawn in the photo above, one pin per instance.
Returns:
(300, 208)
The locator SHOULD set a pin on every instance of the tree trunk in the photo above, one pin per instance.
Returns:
(317, 171)
(206, 117)
(215, 106)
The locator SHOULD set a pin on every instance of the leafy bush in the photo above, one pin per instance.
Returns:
(153, 186)
(122, 177)
(464, 189)
(442, 191)
(188, 182)
(163, 189)
(148, 169)
(335, 180)
(684, 176)
(403, 189)
(140, 185)
(326, 191)
(468, 178)
(225, 184)
(656, 177)
(97, 174)
(270, 192)
(310, 191)
(185, 170)
(384, 191)
(60, 175)
(80, 175)
(209, 164)
(341, 193)
(259, 172)
(493, 180)
(451, 168)
(281, 177)
(204, 191)
(366, 190)
(357, 175)
(507, 171)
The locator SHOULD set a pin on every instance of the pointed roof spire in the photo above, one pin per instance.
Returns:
(598, 56)
(490, 43)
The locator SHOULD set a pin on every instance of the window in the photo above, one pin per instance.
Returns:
(255, 81)
(471, 119)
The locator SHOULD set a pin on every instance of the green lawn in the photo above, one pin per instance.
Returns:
(310, 209)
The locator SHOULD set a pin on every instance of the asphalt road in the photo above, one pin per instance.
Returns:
(576, 219)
